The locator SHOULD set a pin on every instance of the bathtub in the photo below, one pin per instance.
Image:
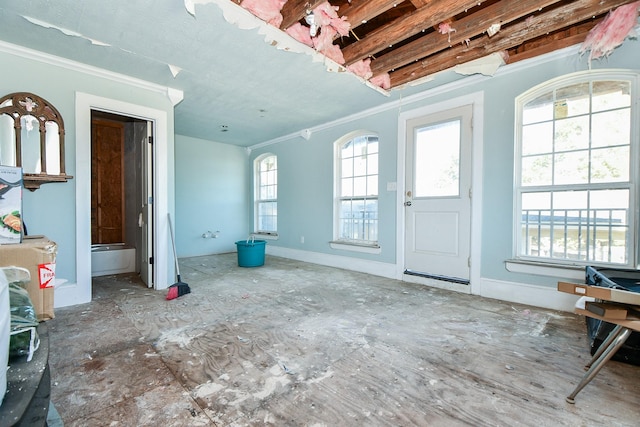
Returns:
(112, 259)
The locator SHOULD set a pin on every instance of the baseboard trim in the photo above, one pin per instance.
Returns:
(376, 268)
(521, 293)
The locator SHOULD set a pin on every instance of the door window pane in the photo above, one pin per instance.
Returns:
(437, 160)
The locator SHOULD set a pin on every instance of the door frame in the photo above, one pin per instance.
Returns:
(81, 292)
(475, 99)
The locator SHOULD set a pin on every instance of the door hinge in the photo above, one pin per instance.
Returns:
(470, 192)
(469, 262)
(150, 140)
(150, 260)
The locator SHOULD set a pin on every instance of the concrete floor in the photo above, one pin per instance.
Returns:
(297, 344)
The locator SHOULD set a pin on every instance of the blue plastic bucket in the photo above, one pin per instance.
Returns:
(251, 252)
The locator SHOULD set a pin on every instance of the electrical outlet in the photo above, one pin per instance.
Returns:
(301, 239)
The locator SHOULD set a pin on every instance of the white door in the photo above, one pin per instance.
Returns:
(438, 195)
(146, 215)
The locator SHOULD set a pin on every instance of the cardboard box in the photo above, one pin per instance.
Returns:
(38, 255)
(10, 205)
(606, 294)
(607, 310)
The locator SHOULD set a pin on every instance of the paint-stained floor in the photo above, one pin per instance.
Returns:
(298, 344)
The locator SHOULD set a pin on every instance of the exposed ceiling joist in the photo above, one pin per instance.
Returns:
(361, 11)
(295, 10)
(466, 28)
(407, 40)
(419, 3)
(426, 17)
(540, 25)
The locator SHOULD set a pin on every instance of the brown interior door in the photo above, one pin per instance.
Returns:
(107, 182)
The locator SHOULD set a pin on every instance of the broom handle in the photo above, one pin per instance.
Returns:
(173, 243)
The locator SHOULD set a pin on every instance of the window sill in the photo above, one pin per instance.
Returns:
(356, 247)
(265, 236)
(575, 272)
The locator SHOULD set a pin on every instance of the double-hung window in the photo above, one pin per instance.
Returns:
(266, 194)
(356, 181)
(576, 189)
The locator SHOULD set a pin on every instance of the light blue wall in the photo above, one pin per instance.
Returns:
(211, 195)
(305, 187)
(51, 209)
(305, 168)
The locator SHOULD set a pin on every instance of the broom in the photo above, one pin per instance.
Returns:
(179, 288)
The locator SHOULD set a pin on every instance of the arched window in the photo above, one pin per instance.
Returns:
(577, 165)
(356, 190)
(266, 194)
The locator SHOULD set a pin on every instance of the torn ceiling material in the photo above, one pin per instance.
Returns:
(612, 31)
(321, 47)
(394, 42)
(322, 25)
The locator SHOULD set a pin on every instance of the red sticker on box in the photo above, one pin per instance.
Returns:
(47, 273)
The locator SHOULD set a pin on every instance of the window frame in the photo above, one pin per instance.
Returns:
(633, 250)
(257, 200)
(338, 242)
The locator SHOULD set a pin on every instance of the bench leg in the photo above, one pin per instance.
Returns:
(606, 343)
(619, 339)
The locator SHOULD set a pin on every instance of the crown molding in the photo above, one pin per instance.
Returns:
(174, 95)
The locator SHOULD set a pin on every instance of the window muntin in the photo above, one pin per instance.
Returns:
(357, 190)
(266, 199)
(575, 179)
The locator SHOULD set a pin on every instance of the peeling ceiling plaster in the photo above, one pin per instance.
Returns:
(486, 66)
(244, 82)
(63, 30)
(244, 20)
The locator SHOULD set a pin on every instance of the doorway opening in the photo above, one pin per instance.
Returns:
(438, 196)
(447, 256)
(119, 150)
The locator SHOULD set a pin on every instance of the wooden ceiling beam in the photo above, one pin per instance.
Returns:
(467, 27)
(358, 12)
(295, 10)
(551, 45)
(435, 12)
(510, 37)
(361, 11)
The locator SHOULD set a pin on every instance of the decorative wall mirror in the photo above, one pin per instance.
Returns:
(32, 137)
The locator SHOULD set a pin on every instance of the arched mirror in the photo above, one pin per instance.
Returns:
(32, 137)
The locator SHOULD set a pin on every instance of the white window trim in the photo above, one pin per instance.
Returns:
(265, 236)
(355, 247)
(342, 244)
(559, 268)
(574, 272)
